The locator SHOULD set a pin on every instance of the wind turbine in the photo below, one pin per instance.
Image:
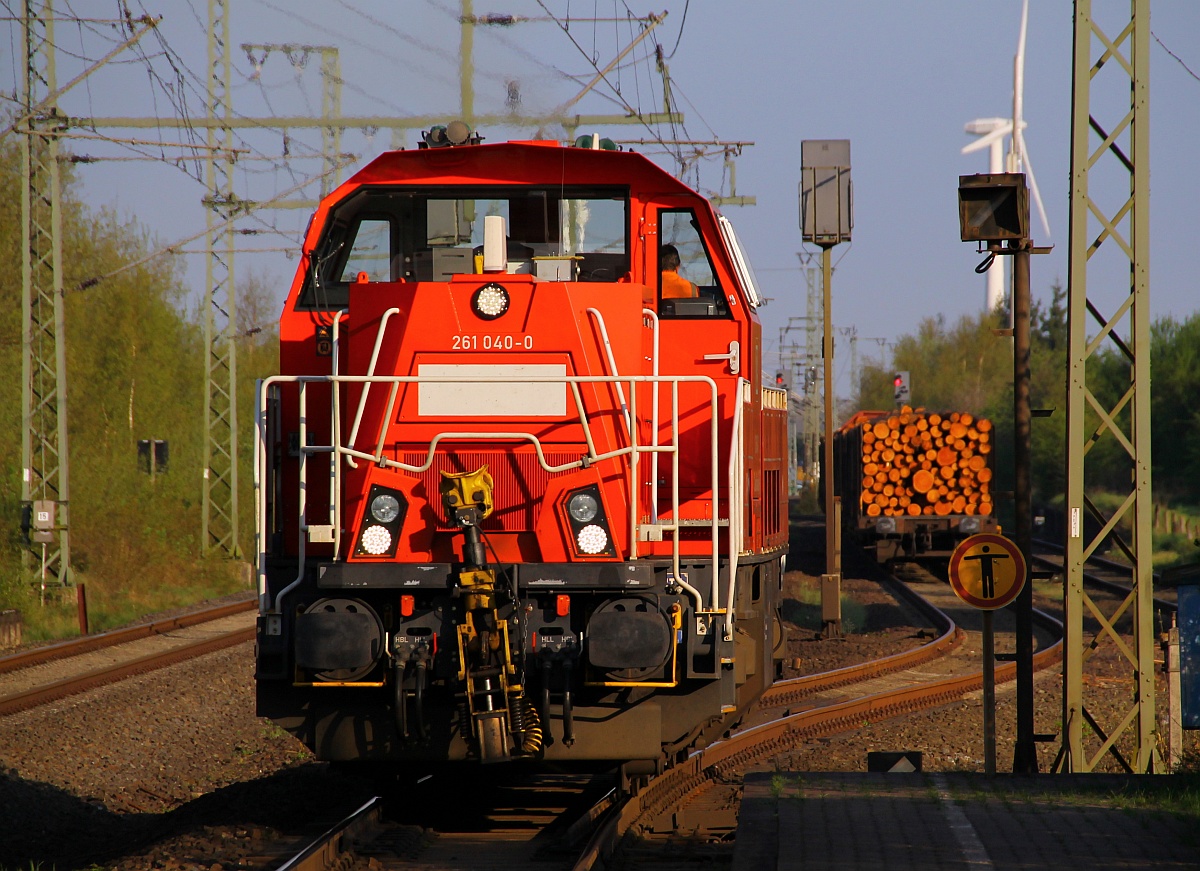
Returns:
(991, 133)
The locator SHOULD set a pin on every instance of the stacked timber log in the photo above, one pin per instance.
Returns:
(914, 463)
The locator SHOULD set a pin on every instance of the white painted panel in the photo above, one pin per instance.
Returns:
(492, 399)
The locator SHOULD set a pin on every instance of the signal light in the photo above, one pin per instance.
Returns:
(993, 207)
(778, 379)
(900, 387)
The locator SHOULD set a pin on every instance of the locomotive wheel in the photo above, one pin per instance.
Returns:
(779, 642)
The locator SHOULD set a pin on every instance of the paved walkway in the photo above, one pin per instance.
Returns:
(930, 822)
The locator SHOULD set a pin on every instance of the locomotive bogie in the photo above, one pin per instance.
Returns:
(614, 674)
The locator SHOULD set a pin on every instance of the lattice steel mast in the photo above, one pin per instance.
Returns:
(45, 478)
(1129, 627)
(219, 523)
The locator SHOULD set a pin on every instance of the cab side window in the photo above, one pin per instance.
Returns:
(688, 285)
(370, 252)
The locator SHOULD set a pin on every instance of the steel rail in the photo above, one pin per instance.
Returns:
(791, 691)
(1120, 589)
(89, 643)
(99, 677)
(716, 761)
(325, 851)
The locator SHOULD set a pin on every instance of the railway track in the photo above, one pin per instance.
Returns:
(697, 799)
(1104, 574)
(47, 674)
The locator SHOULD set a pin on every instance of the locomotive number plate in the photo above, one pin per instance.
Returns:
(491, 342)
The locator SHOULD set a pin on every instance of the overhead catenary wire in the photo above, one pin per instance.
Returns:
(184, 89)
(1177, 58)
(89, 283)
(602, 76)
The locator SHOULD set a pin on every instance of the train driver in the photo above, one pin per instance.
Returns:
(674, 285)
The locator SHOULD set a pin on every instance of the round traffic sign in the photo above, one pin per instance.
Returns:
(987, 571)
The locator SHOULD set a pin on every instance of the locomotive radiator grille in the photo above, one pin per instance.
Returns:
(518, 480)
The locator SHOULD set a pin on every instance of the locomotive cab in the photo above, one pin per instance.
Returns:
(515, 500)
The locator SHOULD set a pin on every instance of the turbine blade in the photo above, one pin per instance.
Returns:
(1021, 37)
(1019, 87)
(1033, 186)
(986, 140)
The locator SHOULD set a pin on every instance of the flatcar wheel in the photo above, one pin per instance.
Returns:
(778, 637)
(779, 645)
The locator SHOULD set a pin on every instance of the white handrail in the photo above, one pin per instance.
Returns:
(653, 317)
(362, 400)
(335, 469)
(303, 499)
(260, 502)
(633, 450)
(715, 596)
(612, 365)
(737, 501)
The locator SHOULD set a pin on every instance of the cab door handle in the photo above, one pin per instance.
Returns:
(734, 357)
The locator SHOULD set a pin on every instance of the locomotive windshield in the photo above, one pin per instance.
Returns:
(429, 234)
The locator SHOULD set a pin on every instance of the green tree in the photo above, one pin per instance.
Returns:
(135, 371)
(1048, 392)
(1175, 386)
(968, 367)
(950, 369)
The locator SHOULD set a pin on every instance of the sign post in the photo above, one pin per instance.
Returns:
(826, 219)
(988, 571)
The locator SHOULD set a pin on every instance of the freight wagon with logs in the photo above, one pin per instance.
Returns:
(914, 483)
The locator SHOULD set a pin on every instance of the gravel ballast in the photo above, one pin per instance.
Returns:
(172, 770)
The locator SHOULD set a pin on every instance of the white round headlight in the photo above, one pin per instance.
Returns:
(592, 539)
(490, 301)
(376, 540)
(583, 507)
(385, 507)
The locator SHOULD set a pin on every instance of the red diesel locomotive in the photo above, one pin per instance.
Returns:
(518, 497)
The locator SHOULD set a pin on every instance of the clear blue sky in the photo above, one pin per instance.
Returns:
(898, 79)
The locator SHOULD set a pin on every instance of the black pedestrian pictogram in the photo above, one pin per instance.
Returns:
(985, 569)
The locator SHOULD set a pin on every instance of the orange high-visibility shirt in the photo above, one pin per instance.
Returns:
(675, 286)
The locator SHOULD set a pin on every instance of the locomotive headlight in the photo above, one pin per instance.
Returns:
(381, 522)
(592, 539)
(583, 507)
(376, 540)
(583, 512)
(490, 301)
(385, 507)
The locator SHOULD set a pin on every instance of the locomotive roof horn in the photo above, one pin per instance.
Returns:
(449, 135)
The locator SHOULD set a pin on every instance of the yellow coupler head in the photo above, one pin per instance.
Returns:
(467, 496)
